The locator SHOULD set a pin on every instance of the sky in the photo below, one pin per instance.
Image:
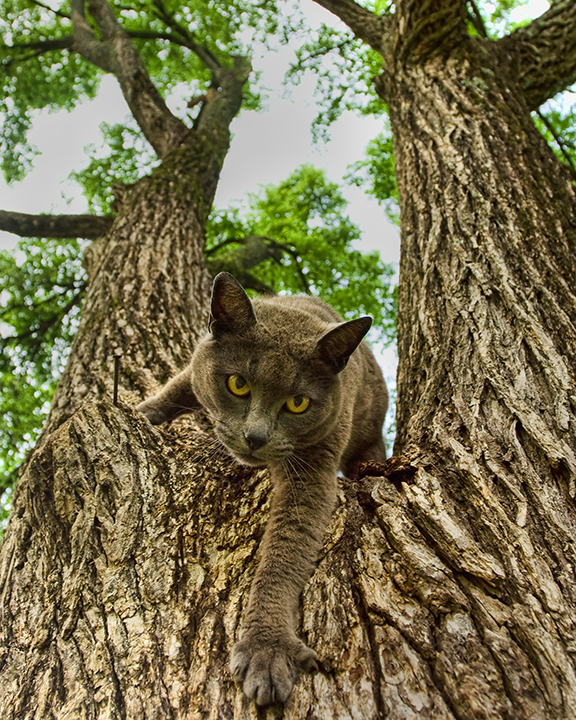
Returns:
(266, 148)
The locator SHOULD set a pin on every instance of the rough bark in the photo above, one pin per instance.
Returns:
(544, 53)
(127, 565)
(446, 589)
(146, 271)
(149, 286)
(486, 380)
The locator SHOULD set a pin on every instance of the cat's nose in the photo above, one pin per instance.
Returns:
(255, 439)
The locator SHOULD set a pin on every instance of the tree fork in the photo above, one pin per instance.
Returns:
(446, 587)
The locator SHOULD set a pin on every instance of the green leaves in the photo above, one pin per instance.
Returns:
(344, 68)
(494, 18)
(311, 242)
(557, 122)
(376, 173)
(40, 70)
(42, 285)
(123, 157)
(36, 73)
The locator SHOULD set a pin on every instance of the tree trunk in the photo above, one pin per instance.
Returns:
(447, 588)
(149, 287)
(486, 378)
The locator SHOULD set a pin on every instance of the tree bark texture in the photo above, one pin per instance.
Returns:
(149, 287)
(128, 563)
(487, 371)
(55, 226)
(446, 587)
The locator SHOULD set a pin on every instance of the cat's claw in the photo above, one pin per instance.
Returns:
(268, 669)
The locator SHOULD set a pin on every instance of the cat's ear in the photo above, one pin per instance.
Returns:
(338, 344)
(230, 308)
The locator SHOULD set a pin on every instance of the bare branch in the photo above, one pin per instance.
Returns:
(85, 41)
(364, 24)
(66, 42)
(55, 226)
(61, 43)
(254, 250)
(475, 18)
(545, 53)
(296, 258)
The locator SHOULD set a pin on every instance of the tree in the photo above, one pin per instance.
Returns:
(43, 287)
(446, 588)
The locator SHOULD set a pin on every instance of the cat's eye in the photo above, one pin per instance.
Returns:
(238, 385)
(298, 404)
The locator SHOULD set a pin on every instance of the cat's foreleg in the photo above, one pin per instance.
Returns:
(175, 398)
(269, 656)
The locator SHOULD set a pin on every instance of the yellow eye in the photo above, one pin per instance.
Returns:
(238, 385)
(298, 403)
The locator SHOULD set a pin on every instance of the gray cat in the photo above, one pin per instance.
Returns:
(290, 387)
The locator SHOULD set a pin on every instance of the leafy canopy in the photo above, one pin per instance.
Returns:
(42, 285)
(41, 71)
(310, 242)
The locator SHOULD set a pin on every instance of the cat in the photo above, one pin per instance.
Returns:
(292, 387)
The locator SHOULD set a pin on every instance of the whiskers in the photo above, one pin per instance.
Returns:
(177, 406)
(211, 450)
(294, 468)
(303, 467)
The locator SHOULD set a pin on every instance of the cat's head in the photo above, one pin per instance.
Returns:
(269, 371)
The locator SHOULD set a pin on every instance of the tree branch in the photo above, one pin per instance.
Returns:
(55, 226)
(224, 98)
(115, 53)
(62, 43)
(559, 141)
(46, 324)
(545, 53)
(59, 13)
(66, 42)
(253, 250)
(475, 18)
(187, 38)
(364, 24)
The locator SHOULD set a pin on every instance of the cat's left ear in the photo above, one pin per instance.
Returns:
(339, 343)
(230, 307)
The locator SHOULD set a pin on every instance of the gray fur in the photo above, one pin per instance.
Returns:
(283, 347)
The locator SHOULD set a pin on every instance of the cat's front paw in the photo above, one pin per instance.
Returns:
(268, 667)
